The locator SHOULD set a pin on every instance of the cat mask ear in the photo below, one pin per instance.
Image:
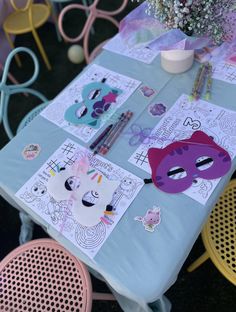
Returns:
(175, 167)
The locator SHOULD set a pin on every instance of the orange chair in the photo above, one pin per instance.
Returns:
(43, 276)
(27, 19)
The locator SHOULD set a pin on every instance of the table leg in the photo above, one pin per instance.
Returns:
(128, 305)
(27, 227)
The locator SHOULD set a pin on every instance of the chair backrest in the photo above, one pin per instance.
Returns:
(43, 276)
(92, 14)
(9, 89)
(25, 6)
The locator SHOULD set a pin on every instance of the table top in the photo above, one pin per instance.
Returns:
(136, 263)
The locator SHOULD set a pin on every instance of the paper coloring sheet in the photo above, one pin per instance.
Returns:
(180, 122)
(70, 193)
(223, 60)
(72, 94)
(143, 54)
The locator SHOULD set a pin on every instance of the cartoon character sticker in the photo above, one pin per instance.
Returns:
(151, 219)
(31, 151)
(146, 91)
(157, 109)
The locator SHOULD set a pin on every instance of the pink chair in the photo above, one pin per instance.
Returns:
(43, 276)
(10, 76)
(93, 14)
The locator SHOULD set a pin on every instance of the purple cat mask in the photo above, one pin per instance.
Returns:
(175, 167)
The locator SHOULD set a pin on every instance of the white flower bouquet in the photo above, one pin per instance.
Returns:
(211, 18)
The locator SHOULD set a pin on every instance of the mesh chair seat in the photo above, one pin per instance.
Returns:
(219, 235)
(43, 276)
(31, 115)
(18, 22)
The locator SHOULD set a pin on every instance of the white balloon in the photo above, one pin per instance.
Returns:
(76, 54)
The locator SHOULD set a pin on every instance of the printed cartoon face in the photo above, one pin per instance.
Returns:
(38, 189)
(72, 183)
(126, 183)
(90, 195)
(152, 216)
(90, 198)
(97, 99)
(175, 167)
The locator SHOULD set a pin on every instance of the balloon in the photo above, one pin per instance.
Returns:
(76, 54)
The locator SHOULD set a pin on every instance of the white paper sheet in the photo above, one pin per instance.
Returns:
(223, 60)
(143, 54)
(225, 71)
(56, 109)
(180, 122)
(59, 214)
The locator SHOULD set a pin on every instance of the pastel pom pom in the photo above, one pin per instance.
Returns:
(76, 54)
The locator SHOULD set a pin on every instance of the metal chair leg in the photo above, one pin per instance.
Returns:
(41, 49)
(198, 262)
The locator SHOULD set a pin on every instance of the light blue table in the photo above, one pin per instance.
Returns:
(138, 265)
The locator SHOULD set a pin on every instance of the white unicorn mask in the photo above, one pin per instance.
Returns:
(90, 191)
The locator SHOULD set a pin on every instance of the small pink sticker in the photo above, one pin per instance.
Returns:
(151, 219)
(31, 151)
(146, 91)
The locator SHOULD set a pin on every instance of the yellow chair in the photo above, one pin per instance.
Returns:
(219, 235)
(27, 19)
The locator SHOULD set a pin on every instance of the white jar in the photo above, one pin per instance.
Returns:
(177, 61)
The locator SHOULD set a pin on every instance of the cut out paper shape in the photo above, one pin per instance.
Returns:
(157, 109)
(90, 193)
(31, 151)
(146, 91)
(97, 99)
(151, 219)
(140, 135)
(175, 167)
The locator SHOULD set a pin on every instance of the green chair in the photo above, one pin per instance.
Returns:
(6, 91)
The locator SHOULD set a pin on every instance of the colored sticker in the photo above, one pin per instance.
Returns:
(157, 109)
(175, 167)
(146, 91)
(151, 219)
(31, 151)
